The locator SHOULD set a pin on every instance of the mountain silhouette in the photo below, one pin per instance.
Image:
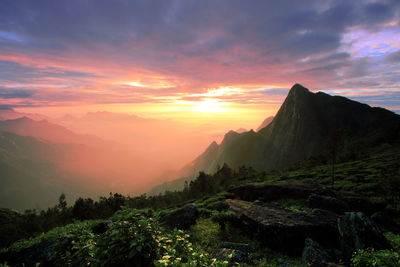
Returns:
(302, 129)
(48, 131)
(265, 123)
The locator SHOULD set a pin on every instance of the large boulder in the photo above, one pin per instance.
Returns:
(182, 218)
(315, 254)
(357, 231)
(232, 255)
(385, 221)
(238, 246)
(327, 203)
(284, 230)
(275, 191)
(358, 204)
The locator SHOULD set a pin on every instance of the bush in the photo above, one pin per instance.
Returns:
(205, 233)
(133, 237)
(371, 258)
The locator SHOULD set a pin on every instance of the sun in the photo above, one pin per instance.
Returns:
(209, 105)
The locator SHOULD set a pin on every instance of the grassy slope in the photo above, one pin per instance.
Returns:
(362, 176)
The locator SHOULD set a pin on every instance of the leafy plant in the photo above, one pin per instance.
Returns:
(375, 258)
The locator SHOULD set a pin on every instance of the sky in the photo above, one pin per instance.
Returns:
(224, 61)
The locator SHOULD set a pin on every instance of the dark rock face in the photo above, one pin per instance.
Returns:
(233, 255)
(363, 205)
(299, 131)
(281, 229)
(327, 203)
(385, 222)
(275, 191)
(238, 246)
(182, 218)
(314, 254)
(357, 231)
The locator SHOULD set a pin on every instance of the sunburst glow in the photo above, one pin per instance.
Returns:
(210, 105)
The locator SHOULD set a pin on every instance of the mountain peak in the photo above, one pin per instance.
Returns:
(298, 89)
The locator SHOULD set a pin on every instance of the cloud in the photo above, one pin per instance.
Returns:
(85, 51)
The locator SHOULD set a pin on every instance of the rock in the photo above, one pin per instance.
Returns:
(283, 262)
(385, 222)
(182, 218)
(238, 246)
(357, 231)
(258, 202)
(275, 191)
(357, 204)
(314, 254)
(283, 230)
(327, 203)
(101, 227)
(233, 255)
(220, 206)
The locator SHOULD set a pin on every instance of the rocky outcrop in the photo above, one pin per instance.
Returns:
(385, 221)
(357, 231)
(327, 203)
(315, 254)
(182, 218)
(275, 191)
(233, 255)
(283, 230)
(357, 204)
(238, 246)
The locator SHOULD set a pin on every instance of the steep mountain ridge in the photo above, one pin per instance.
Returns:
(265, 123)
(303, 128)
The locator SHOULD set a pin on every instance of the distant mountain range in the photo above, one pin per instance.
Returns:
(265, 123)
(46, 130)
(302, 128)
(10, 114)
(30, 177)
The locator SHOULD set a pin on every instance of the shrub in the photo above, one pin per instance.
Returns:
(133, 237)
(375, 258)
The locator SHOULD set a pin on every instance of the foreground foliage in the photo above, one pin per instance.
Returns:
(132, 236)
(374, 258)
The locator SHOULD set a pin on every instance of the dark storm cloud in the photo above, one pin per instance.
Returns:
(171, 23)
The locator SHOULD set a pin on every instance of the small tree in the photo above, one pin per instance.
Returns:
(62, 202)
(334, 142)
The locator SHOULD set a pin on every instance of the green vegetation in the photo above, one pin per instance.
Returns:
(373, 258)
(134, 233)
(132, 236)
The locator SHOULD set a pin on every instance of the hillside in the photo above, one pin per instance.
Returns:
(333, 202)
(30, 173)
(304, 127)
(217, 226)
